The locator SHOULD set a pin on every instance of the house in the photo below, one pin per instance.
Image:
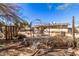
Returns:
(77, 29)
(52, 29)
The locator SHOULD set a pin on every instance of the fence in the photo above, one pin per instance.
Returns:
(10, 32)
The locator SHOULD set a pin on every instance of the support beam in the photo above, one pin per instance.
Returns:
(73, 30)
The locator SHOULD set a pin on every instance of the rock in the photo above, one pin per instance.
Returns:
(70, 50)
(21, 54)
(13, 52)
(76, 52)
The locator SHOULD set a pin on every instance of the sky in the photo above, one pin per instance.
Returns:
(49, 12)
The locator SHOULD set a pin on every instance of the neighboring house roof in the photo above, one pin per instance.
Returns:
(55, 24)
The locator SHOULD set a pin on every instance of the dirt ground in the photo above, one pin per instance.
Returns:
(39, 47)
(30, 52)
(15, 49)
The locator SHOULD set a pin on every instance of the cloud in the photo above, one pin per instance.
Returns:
(62, 7)
(49, 7)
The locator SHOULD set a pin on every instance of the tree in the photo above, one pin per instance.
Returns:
(10, 13)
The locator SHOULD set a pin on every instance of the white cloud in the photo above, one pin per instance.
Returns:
(62, 7)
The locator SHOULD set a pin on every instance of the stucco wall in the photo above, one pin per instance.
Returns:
(56, 30)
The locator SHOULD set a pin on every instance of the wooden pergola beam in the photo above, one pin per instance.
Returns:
(73, 31)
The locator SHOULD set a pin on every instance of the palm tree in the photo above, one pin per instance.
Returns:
(39, 20)
(9, 12)
(10, 15)
(24, 24)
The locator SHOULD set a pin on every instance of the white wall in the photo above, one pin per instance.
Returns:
(57, 30)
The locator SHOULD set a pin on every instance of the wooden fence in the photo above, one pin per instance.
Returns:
(10, 31)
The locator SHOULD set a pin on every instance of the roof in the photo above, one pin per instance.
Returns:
(39, 25)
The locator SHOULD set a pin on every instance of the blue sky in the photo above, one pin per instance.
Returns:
(50, 12)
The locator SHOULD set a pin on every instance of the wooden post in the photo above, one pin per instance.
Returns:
(6, 32)
(33, 32)
(73, 30)
(49, 29)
